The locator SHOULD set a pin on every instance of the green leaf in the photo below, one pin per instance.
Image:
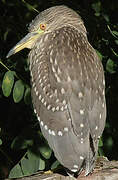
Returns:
(8, 82)
(34, 160)
(16, 172)
(20, 143)
(41, 164)
(32, 164)
(27, 96)
(97, 14)
(0, 141)
(38, 163)
(100, 151)
(45, 151)
(106, 17)
(114, 52)
(110, 66)
(32, 156)
(99, 54)
(55, 165)
(30, 7)
(18, 91)
(116, 41)
(114, 33)
(100, 142)
(29, 166)
(6, 34)
(96, 6)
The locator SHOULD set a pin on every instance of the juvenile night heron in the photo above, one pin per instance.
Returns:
(68, 86)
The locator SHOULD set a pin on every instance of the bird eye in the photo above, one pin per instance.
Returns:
(42, 26)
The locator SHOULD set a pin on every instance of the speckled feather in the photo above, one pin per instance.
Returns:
(80, 75)
(68, 96)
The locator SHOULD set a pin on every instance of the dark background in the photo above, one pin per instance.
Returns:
(101, 21)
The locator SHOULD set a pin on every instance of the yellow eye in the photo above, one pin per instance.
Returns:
(42, 26)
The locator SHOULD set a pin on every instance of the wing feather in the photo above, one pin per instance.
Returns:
(70, 99)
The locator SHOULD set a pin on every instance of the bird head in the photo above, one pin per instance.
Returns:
(48, 21)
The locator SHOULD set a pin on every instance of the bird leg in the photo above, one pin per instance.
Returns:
(90, 161)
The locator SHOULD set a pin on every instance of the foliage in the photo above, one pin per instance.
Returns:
(7, 83)
(23, 150)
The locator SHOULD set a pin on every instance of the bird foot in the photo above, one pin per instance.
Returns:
(48, 172)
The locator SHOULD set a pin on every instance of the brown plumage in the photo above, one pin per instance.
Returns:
(68, 87)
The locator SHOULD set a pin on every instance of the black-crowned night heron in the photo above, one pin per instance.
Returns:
(68, 86)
